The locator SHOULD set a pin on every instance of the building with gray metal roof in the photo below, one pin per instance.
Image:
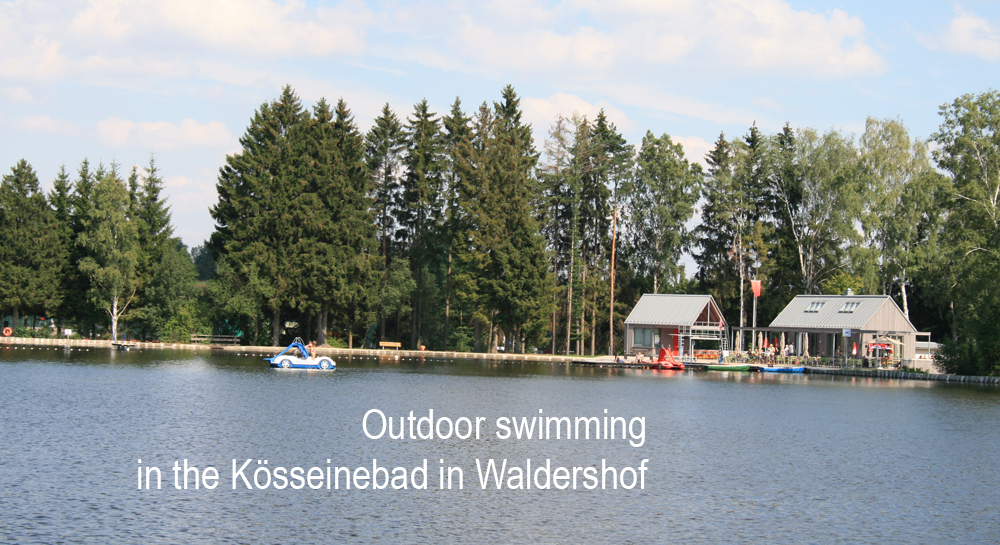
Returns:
(676, 322)
(835, 325)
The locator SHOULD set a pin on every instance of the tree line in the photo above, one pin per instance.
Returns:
(456, 232)
(95, 252)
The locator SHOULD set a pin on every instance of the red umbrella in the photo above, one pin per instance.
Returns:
(854, 349)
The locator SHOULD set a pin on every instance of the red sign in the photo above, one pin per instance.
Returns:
(755, 286)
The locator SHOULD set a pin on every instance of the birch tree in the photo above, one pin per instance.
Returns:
(111, 239)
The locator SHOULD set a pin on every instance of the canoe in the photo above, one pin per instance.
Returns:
(724, 367)
(783, 369)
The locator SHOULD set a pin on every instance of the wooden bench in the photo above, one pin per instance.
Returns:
(387, 344)
(215, 339)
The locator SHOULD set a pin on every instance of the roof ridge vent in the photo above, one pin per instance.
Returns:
(849, 292)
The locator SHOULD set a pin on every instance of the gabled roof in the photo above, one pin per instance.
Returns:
(670, 309)
(833, 311)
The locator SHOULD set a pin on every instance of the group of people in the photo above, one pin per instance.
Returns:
(771, 352)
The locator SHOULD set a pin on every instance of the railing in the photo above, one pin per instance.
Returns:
(215, 339)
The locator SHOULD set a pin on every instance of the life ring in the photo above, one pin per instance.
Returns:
(7, 332)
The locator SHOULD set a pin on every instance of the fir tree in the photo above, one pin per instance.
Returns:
(384, 144)
(257, 188)
(418, 211)
(456, 137)
(32, 246)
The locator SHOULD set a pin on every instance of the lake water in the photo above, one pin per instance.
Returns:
(732, 457)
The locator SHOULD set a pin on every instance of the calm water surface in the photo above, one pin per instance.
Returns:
(733, 457)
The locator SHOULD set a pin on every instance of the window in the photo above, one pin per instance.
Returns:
(815, 306)
(850, 306)
(643, 337)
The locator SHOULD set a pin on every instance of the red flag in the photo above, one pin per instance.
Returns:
(755, 286)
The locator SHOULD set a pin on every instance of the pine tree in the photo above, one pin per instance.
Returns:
(518, 282)
(716, 234)
(334, 256)
(155, 214)
(614, 171)
(60, 199)
(170, 294)
(257, 188)
(384, 146)
(558, 213)
(418, 211)
(79, 309)
(456, 137)
(32, 250)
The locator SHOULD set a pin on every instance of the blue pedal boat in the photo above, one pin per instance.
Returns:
(783, 369)
(286, 360)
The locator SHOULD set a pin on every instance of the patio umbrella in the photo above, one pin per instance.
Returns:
(781, 345)
(760, 340)
(854, 349)
(805, 345)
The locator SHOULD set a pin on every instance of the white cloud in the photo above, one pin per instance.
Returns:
(39, 59)
(749, 34)
(45, 125)
(695, 148)
(653, 99)
(177, 182)
(771, 34)
(969, 34)
(161, 135)
(17, 94)
(540, 112)
(261, 27)
(767, 103)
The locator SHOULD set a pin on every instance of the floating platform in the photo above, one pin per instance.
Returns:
(124, 346)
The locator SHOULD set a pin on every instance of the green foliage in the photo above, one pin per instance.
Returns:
(111, 241)
(32, 245)
(453, 232)
(840, 282)
(170, 295)
(258, 200)
(204, 263)
(666, 189)
(969, 140)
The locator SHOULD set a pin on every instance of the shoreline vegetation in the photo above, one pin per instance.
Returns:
(395, 355)
(460, 232)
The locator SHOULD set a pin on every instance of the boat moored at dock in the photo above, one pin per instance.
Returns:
(782, 369)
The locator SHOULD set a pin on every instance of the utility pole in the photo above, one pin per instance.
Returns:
(611, 318)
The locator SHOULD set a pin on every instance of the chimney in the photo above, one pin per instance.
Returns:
(849, 292)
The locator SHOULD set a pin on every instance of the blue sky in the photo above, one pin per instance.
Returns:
(113, 80)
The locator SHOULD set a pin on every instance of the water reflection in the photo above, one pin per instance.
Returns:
(734, 456)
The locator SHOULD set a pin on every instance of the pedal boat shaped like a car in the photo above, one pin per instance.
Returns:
(288, 360)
